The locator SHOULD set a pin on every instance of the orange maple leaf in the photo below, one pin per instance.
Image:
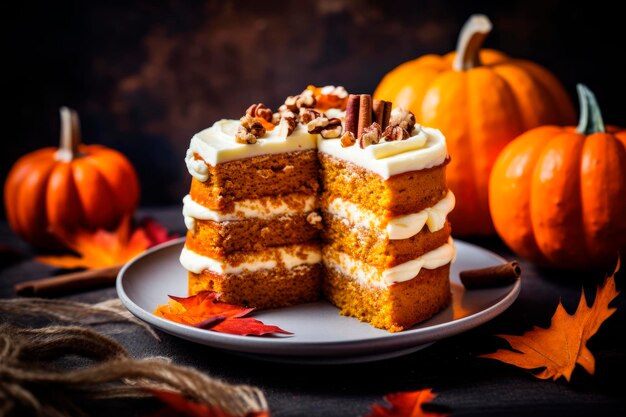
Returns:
(204, 310)
(100, 248)
(564, 344)
(178, 405)
(406, 404)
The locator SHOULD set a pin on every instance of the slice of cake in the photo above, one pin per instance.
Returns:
(252, 210)
(253, 229)
(387, 249)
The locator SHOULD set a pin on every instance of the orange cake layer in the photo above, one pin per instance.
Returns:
(404, 193)
(218, 239)
(393, 308)
(259, 176)
(267, 288)
(374, 248)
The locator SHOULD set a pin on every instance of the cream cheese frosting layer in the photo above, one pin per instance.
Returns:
(368, 275)
(288, 257)
(260, 208)
(395, 228)
(426, 148)
(217, 144)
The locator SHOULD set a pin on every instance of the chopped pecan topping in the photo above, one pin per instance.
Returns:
(304, 100)
(253, 125)
(371, 135)
(307, 115)
(395, 132)
(259, 110)
(287, 124)
(290, 104)
(331, 90)
(347, 139)
(333, 129)
(317, 125)
(243, 136)
(276, 118)
(402, 117)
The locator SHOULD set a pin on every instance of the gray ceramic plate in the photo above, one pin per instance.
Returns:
(320, 334)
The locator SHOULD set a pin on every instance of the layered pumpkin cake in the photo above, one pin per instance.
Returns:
(373, 239)
(385, 202)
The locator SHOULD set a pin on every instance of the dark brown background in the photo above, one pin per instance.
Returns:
(145, 75)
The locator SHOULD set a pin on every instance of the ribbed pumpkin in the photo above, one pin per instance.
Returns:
(558, 194)
(480, 100)
(73, 186)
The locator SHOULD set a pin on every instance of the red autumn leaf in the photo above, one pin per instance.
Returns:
(406, 404)
(103, 248)
(155, 232)
(205, 311)
(247, 326)
(178, 405)
(561, 346)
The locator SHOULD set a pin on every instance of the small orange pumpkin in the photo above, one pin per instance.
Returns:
(74, 186)
(480, 100)
(558, 194)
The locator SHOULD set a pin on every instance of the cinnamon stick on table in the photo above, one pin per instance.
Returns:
(67, 283)
(493, 276)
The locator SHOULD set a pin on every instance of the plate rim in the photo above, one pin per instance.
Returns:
(272, 345)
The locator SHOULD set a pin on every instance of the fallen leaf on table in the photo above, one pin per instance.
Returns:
(205, 311)
(103, 248)
(564, 344)
(178, 405)
(406, 404)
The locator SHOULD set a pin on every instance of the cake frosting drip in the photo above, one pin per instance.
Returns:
(426, 148)
(263, 208)
(288, 257)
(395, 228)
(370, 275)
(217, 144)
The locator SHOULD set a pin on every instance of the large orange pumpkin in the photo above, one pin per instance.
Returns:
(480, 100)
(558, 194)
(74, 186)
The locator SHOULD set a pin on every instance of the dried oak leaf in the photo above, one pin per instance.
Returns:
(205, 311)
(178, 405)
(103, 248)
(406, 404)
(561, 346)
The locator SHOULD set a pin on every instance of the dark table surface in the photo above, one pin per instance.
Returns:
(466, 384)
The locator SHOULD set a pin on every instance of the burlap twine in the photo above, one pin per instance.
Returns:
(30, 385)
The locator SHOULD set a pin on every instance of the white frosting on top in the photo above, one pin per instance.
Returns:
(395, 157)
(217, 144)
(368, 275)
(267, 259)
(399, 227)
(245, 209)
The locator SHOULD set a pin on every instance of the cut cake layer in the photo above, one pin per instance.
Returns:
(219, 239)
(404, 193)
(268, 288)
(374, 248)
(255, 177)
(393, 308)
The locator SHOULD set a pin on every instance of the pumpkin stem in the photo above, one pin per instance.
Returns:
(70, 135)
(473, 34)
(590, 116)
